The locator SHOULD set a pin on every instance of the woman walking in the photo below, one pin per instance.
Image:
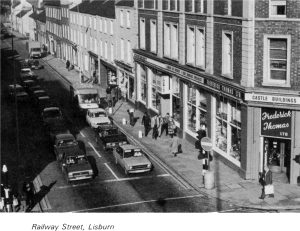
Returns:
(174, 145)
(267, 182)
(171, 127)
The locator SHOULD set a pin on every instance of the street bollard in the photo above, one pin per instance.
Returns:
(140, 134)
(124, 121)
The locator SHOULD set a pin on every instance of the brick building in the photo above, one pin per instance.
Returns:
(229, 67)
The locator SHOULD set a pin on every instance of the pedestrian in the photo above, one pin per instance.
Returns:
(159, 126)
(171, 127)
(165, 124)
(4, 175)
(16, 202)
(174, 144)
(154, 126)
(23, 200)
(2, 204)
(108, 94)
(267, 183)
(131, 116)
(28, 189)
(146, 121)
(68, 64)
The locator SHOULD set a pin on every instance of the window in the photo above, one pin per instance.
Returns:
(142, 34)
(128, 19)
(111, 27)
(128, 52)
(195, 46)
(85, 20)
(227, 127)
(100, 24)
(121, 18)
(112, 53)
(105, 26)
(122, 49)
(195, 6)
(153, 38)
(105, 50)
(277, 64)
(277, 8)
(95, 23)
(101, 48)
(86, 62)
(91, 43)
(85, 41)
(227, 54)
(229, 7)
(90, 25)
(155, 84)
(171, 40)
(96, 47)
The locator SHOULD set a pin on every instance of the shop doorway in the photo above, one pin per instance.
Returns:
(278, 157)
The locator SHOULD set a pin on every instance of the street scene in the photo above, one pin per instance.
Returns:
(138, 106)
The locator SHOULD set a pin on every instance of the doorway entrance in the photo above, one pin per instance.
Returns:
(277, 157)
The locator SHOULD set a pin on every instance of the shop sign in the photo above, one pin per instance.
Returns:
(185, 74)
(123, 66)
(272, 98)
(222, 88)
(164, 87)
(276, 122)
(145, 60)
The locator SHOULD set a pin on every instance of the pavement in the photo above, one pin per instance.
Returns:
(186, 167)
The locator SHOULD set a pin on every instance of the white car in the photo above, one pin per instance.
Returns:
(96, 117)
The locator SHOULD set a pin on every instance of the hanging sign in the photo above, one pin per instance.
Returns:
(276, 122)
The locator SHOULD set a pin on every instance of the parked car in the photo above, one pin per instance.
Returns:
(37, 94)
(96, 117)
(28, 84)
(132, 159)
(45, 102)
(109, 136)
(32, 89)
(6, 35)
(27, 74)
(63, 142)
(32, 64)
(51, 113)
(19, 93)
(75, 165)
(57, 127)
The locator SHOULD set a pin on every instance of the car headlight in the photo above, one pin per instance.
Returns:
(91, 172)
(70, 174)
(130, 167)
(149, 165)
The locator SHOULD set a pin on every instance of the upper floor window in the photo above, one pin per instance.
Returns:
(128, 19)
(153, 38)
(122, 49)
(121, 18)
(111, 27)
(195, 46)
(171, 40)
(128, 52)
(95, 23)
(141, 4)
(195, 6)
(112, 53)
(277, 60)
(227, 54)
(100, 24)
(91, 22)
(105, 26)
(277, 8)
(142, 34)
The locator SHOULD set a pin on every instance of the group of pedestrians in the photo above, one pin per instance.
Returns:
(11, 201)
(159, 124)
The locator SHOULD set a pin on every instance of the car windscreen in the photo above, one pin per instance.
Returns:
(25, 71)
(52, 113)
(88, 98)
(72, 160)
(66, 142)
(99, 114)
(36, 49)
(112, 132)
(132, 153)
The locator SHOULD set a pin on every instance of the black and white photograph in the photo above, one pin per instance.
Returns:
(149, 114)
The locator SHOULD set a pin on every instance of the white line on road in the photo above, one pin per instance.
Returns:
(80, 132)
(136, 203)
(111, 170)
(94, 149)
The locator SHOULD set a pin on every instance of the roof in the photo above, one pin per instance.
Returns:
(51, 109)
(16, 4)
(22, 13)
(33, 15)
(41, 17)
(129, 3)
(103, 8)
(129, 146)
(52, 2)
(97, 110)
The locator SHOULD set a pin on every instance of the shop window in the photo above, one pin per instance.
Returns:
(228, 127)
(143, 87)
(155, 85)
(176, 104)
(277, 51)
(277, 8)
(131, 88)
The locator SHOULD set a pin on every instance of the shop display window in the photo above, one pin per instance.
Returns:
(143, 87)
(155, 84)
(131, 88)
(176, 108)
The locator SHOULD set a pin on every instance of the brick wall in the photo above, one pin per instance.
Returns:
(237, 47)
(261, 8)
(221, 7)
(237, 8)
(292, 8)
(278, 28)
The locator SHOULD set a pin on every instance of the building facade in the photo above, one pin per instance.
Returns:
(204, 62)
(41, 27)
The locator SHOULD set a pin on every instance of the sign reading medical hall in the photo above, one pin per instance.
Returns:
(276, 122)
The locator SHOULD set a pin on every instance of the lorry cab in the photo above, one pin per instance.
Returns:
(75, 165)
(84, 96)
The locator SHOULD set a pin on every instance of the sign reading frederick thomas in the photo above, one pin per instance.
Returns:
(276, 122)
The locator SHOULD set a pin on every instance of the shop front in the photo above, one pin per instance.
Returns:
(279, 135)
(108, 74)
(94, 66)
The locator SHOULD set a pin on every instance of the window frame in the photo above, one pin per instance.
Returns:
(153, 36)
(271, 3)
(128, 19)
(170, 49)
(224, 63)
(142, 35)
(121, 18)
(266, 57)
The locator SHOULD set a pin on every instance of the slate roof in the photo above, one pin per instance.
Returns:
(22, 13)
(41, 17)
(129, 3)
(52, 2)
(103, 8)
(16, 4)
(33, 15)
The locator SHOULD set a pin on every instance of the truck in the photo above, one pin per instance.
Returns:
(84, 96)
(34, 49)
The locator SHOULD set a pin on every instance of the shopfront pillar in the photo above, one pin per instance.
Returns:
(295, 147)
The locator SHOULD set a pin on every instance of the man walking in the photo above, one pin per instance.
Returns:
(131, 116)
(165, 124)
(154, 126)
(146, 121)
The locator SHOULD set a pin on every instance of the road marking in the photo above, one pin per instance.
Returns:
(112, 180)
(80, 132)
(94, 149)
(111, 170)
(136, 203)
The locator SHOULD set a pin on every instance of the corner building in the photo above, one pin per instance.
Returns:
(210, 65)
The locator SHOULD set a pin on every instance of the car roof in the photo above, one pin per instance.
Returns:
(44, 97)
(25, 69)
(13, 86)
(64, 136)
(97, 110)
(129, 146)
(29, 81)
(39, 91)
(51, 109)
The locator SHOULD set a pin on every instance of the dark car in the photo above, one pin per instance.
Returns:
(28, 84)
(45, 102)
(109, 136)
(35, 65)
(57, 127)
(51, 113)
(6, 35)
(63, 142)
(26, 74)
(36, 95)
(18, 92)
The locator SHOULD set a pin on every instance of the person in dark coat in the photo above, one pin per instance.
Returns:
(171, 127)
(165, 124)
(68, 64)
(265, 181)
(28, 189)
(154, 126)
(131, 116)
(146, 121)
